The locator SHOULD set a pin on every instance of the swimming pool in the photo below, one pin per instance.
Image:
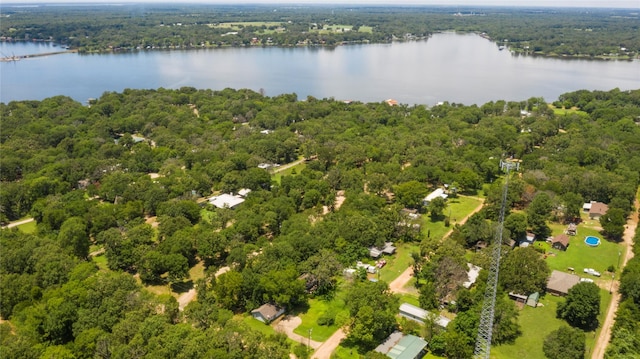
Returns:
(592, 241)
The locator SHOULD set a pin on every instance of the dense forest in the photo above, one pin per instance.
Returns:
(596, 33)
(116, 189)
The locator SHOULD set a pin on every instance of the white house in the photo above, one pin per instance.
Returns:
(420, 315)
(439, 192)
(226, 200)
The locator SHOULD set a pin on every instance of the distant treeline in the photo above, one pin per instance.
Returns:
(597, 33)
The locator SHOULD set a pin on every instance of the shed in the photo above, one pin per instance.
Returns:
(420, 315)
(560, 242)
(267, 313)
(559, 283)
(572, 229)
(399, 346)
(533, 299)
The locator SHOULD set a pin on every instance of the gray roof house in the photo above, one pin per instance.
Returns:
(559, 283)
(267, 313)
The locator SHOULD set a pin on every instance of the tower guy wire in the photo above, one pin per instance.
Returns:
(485, 329)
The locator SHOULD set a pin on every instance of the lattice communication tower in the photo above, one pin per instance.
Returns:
(485, 329)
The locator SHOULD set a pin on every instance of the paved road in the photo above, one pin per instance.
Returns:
(605, 333)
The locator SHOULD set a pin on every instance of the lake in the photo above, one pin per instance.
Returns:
(460, 68)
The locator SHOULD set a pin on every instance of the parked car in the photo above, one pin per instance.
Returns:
(592, 272)
(588, 280)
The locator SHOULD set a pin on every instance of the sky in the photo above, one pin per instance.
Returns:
(634, 4)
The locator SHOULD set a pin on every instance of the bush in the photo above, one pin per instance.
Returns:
(327, 318)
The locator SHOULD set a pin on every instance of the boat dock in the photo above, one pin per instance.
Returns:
(20, 57)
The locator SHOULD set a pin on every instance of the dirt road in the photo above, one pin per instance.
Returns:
(398, 284)
(605, 333)
(325, 350)
(288, 165)
(288, 324)
(17, 223)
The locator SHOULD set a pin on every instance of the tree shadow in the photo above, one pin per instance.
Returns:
(182, 287)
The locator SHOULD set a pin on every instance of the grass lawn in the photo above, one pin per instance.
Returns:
(345, 353)
(28, 228)
(409, 298)
(566, 111)
(537, 323)
(399, 262)
(277, 176)
(207, 215)
(317, 307)
(579, 255)
(101, 262)
(458, 208)
(255, 324)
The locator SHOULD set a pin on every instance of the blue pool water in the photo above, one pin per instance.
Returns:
(592, 241)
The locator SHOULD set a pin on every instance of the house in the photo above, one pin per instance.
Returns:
(420, 315)
(559, 283)
(572, 229)
(267, 313)
(226, 200)
(399, 346)
(439, 192)
(472, 275)
(388, 248)
(560, 242)
(597, 210)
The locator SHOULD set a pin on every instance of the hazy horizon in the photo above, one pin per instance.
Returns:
(629, 4)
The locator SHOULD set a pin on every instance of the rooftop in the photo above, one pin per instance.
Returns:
(561, 282)
(225, 200)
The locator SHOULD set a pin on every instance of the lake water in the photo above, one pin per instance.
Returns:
(447, 67)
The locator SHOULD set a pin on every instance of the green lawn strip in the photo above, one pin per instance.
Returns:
(458, 208)
(398, 263)
(579, 255)
(207, 215)
(317, 307)
(408, 298)
(28, 228)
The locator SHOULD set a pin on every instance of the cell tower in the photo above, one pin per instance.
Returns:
(485, 329)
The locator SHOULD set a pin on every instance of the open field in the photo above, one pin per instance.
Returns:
(457, 208)
(566, 111)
